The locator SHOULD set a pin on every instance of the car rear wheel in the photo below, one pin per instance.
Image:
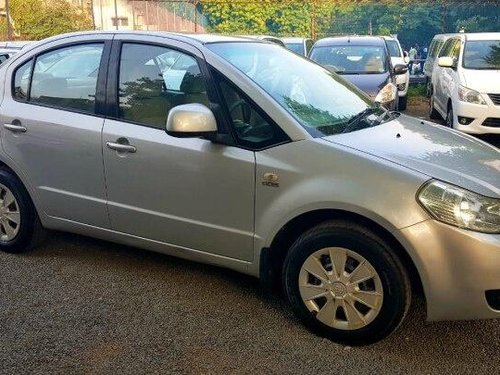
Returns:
(346, 284)
(449, 117)
(433, 114)
(403, 103)
(20, 228)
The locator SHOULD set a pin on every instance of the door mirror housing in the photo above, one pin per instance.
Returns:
(400, 69)
(190, 121)
(447, 62)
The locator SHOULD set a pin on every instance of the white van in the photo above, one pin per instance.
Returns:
(434, 49)
(466, 83)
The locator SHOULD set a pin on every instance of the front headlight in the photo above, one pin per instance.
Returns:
(460, 207)
(387, 94)
(470, 96)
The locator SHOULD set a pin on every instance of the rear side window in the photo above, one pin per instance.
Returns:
(67, 77)
(153, 80)
(22, 80)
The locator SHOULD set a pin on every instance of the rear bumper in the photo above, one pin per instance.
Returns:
(457, 267)
(479, 113)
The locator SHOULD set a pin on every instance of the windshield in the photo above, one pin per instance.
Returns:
(393, 47)
(296, 47)
(351, 59)
(322, 102)
(482, 54)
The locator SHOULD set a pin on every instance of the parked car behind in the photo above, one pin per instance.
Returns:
(8, 49)
(301, 46)
(465, 87)
(363, 61)
(402, 80)
(240, 153)
(431, 60)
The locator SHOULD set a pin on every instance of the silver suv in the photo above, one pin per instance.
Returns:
(239, 153)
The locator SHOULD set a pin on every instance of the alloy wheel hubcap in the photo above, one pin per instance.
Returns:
(341, 288)
(10, 217)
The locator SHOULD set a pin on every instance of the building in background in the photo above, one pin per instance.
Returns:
(146, 15)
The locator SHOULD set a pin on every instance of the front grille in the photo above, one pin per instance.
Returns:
(492, 122)
(495, 98)
(493, 298)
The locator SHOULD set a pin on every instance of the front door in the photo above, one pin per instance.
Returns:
(188, 192)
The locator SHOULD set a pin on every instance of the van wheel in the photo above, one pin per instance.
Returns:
(403, 103)
(20, 228)
(449, 117)
(433, 114)
(346, 284)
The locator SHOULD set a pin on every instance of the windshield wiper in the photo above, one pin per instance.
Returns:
(356, 118)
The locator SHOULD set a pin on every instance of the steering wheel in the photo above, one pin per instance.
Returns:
(246, 110)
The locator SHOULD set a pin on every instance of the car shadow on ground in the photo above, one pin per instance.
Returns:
(421, 339)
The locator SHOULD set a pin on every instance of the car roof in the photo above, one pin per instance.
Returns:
(482, 36)
(351, 40)
(193, 38)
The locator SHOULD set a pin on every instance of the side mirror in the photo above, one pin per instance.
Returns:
(400, 69)
(407, 59)
(446, 62)
(191, 120)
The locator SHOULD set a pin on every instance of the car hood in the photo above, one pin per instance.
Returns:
(369, 83)
(484, 81)
(431, 149)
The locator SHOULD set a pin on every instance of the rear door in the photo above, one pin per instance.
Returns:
(51, 126)
(187, 192)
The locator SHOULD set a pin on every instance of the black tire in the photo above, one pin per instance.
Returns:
(30, 231)
(449, 117)
(433, 114)
(393, 277)
(403, 103)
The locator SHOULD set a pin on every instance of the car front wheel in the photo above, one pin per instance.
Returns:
(346, 284)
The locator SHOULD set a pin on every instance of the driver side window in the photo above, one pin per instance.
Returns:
(251, 128)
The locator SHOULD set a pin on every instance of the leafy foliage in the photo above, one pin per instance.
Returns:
(38, 19)
(413, 22)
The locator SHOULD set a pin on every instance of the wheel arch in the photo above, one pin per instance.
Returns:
(272, 258)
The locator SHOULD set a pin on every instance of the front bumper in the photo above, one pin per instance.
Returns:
(456, 267)
(479, 113)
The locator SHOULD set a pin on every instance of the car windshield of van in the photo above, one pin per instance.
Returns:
(482, 55)
(393, 47)
(321, 101)
(351, 59)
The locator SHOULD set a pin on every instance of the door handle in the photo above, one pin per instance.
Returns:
(121, 147)
(15, 128)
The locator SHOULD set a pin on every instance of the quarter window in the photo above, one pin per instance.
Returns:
(153, 80)
(21, 81)
(67, 78)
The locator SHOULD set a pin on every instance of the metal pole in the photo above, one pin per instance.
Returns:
(7, 16)
(116, 14)
(195, 17)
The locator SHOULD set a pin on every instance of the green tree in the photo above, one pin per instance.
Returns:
(38, 19)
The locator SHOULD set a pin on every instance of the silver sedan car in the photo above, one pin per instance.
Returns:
(239, 153)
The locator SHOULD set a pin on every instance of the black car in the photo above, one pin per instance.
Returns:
(364, 61)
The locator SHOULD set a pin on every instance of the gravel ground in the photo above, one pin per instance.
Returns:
(87, 306)
(78, 305)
